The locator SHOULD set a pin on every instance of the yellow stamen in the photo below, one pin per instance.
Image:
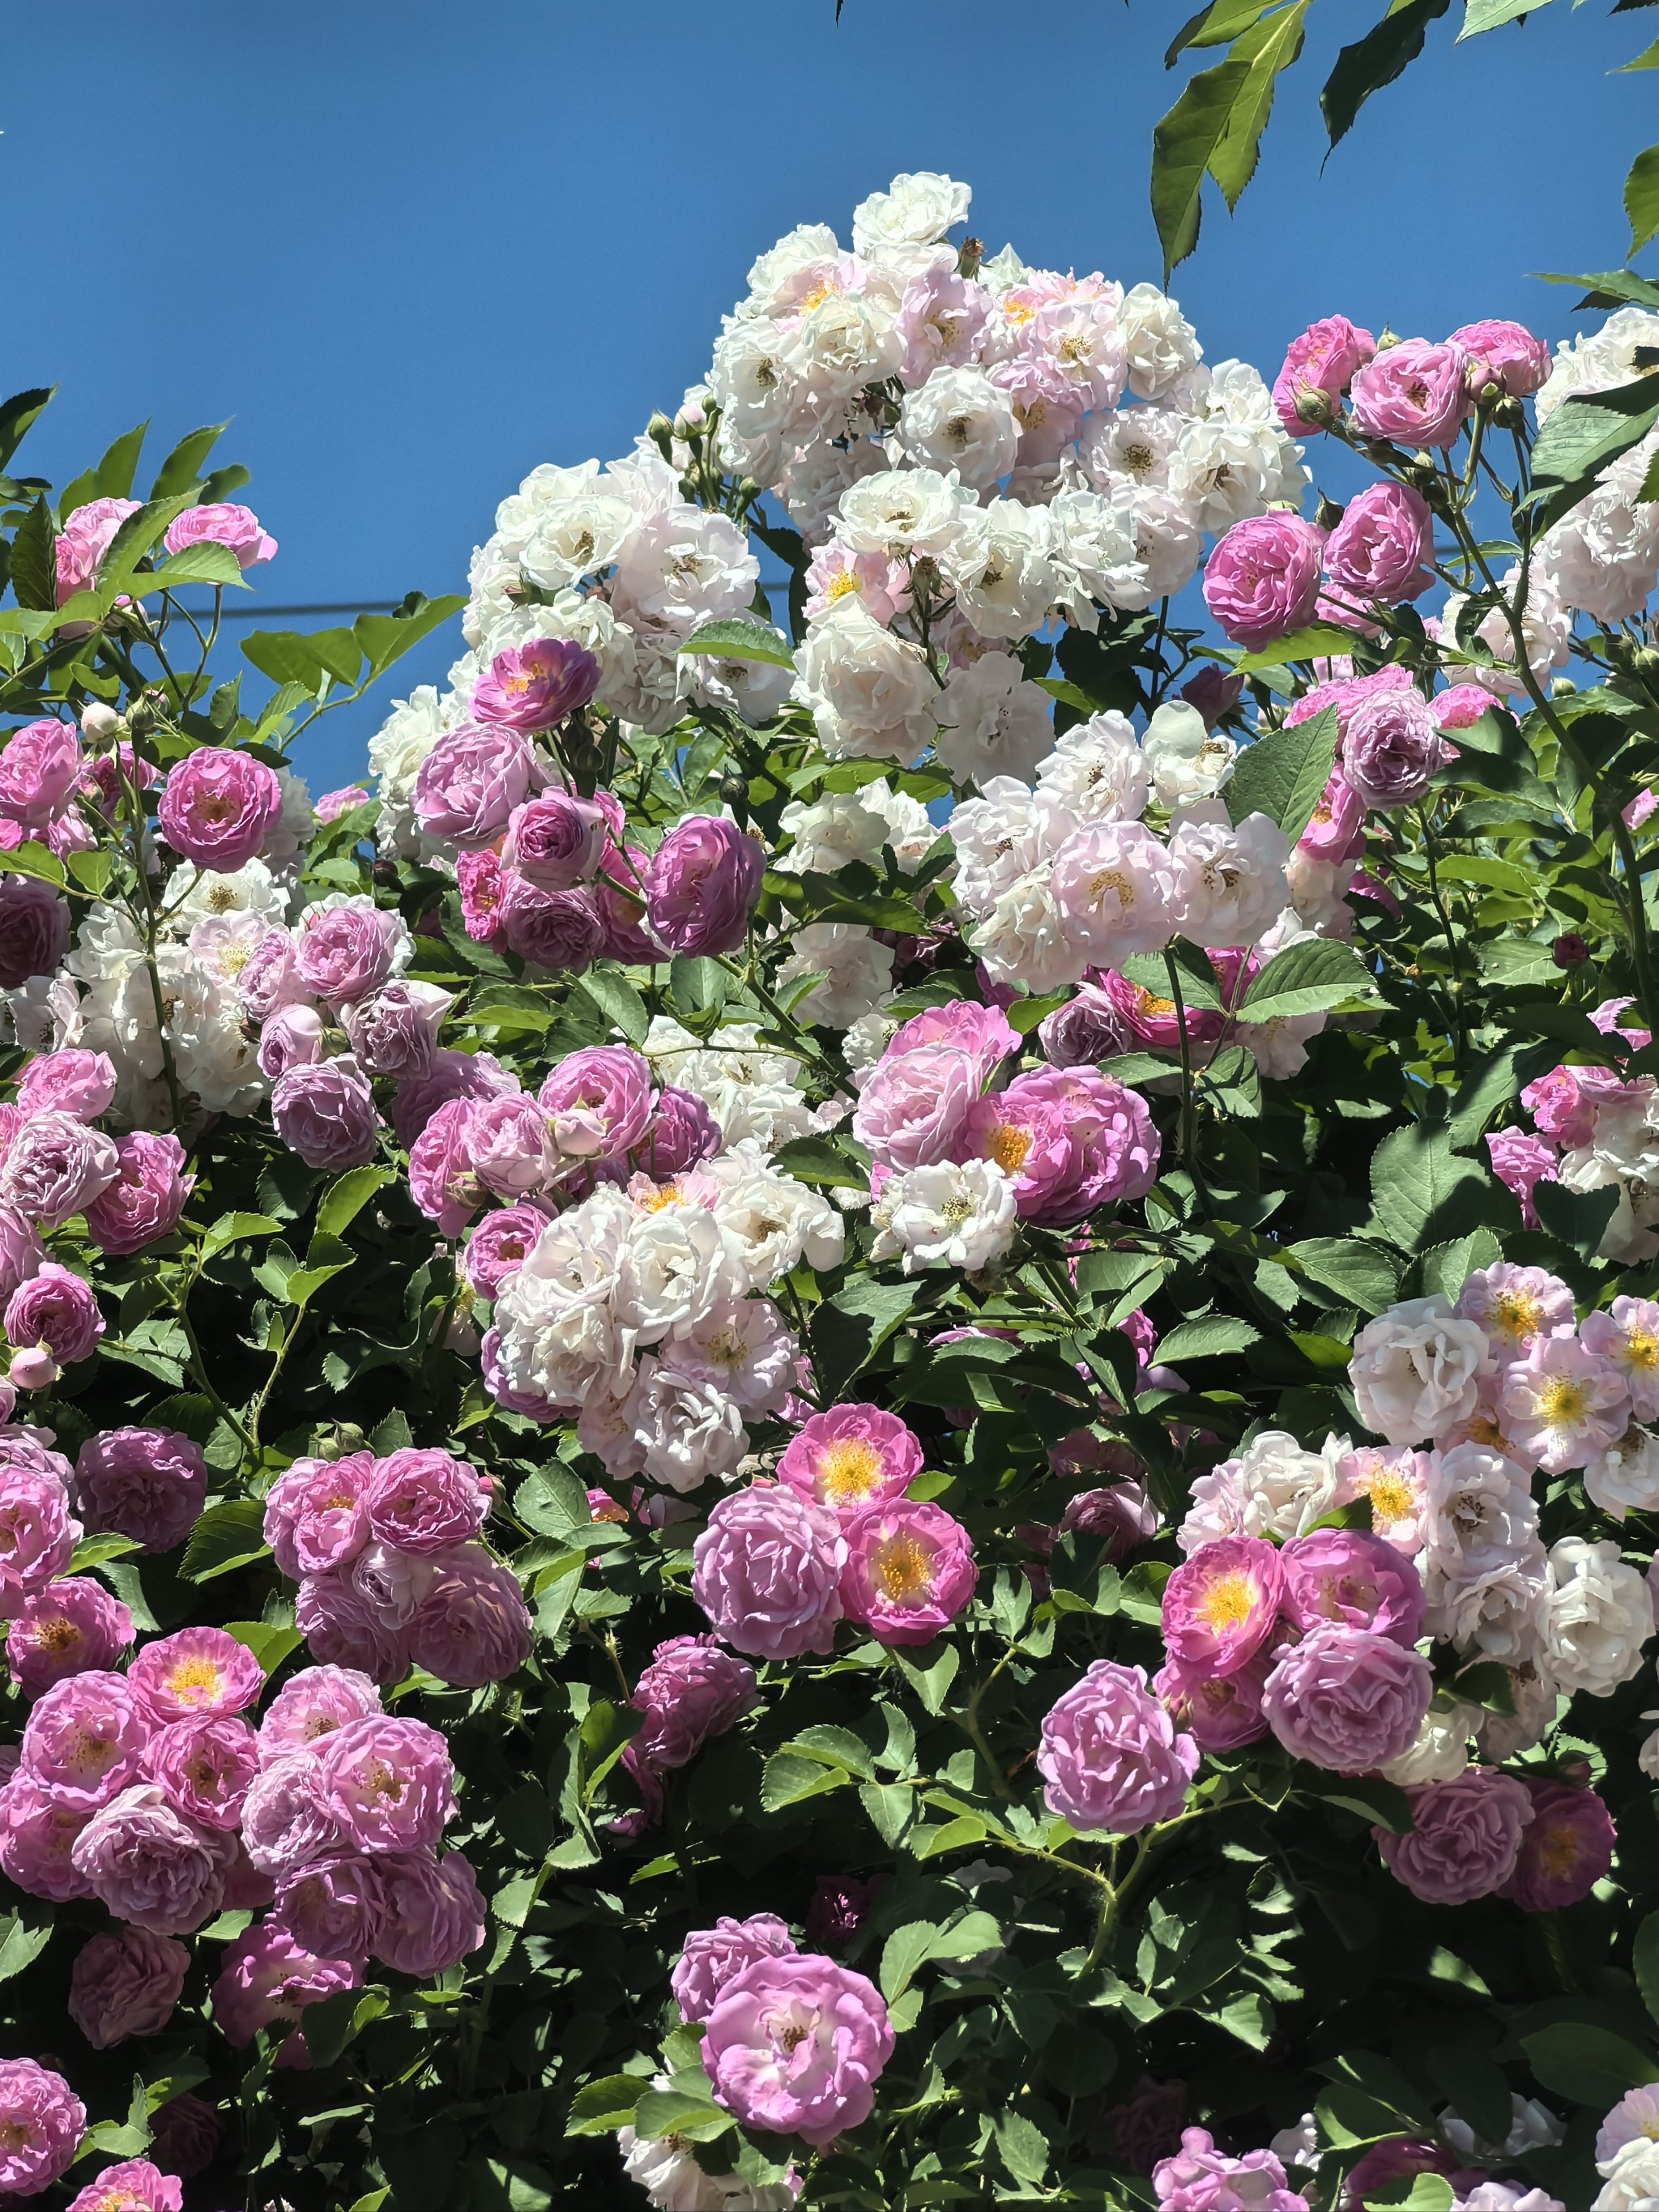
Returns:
(847, 1471)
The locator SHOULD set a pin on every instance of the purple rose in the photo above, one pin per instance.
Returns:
(84, 1741)
(1393, 747)
(54, 1167)
(37, 1534)
(716, 1956)
(218, 807)
(1200, 2178)
(394, 1030)
(125, 1983)
(560, 931)
(342, 1628)
(767, 1571)
(532, 687)
(1319, 367)
(691, 1690)
(185, 2135)
(704, 879)
(442, 1179)
(795, 2045)
(333, 1906)
(312, 1704)
(285, 1823)
(269, 978)
(619, 896)
(1110, 1757)
(1146, 2126)
(38, 1834)
(452, 1075)
(1413, 394)
(472, 1625)
(291, 1037)
(1261, 582)
(34, 930)
(267, 1980)
(469, 784)
(1087, 1029)
(147, 1197)
(148, 1484)
(326, 1114)
(1221, 1711)
(497, 1247)
(683, 1132)
(1350, 1576)
(150, 1865)
(387, 1783)
(1383, 547)
(1068, 1139)
(1566, 1851)
(204, 1767)
(22, 1253)
(79, 1084)
(347, 947)
(425, 1501)
(511, 1145)
(433, 1914)
(555, 841)
(41, 2122)
(1466, 1837)
(1348, 1698)
(53, 1320)
(72, 1627)
(912, 1110)
(315, 1517)
(598, 1101)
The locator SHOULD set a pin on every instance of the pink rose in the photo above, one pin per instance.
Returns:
(598, 1101)
(481, 883)
(914, 1105)
(1110, 1756)
(37, 1535)
(424, 1501)
(469, 784)
(1567, 1849)
(41, 2118)
(1261, 582)
(691, 1691)
(146, 1199)
(1318, 370)
(134, 2185)
(795, 2045)
(1221, 1605)
(333, 804)
(471, 1626)
(237, 527)
(442, 1179)
(511, 1146)
(205, 1768)
(344, 1630)
(326, 1114)
(1465, 1840)
(1414, 393)
(1221, 1711)
(555, 841)
(267, 1981)
(148, 1484)
(347, 948)
(79, 1084)
(388, 1783)
(767, 1571)
(315, 1519)
(196, 1671)
(34, 930)
(71, 1626)
(851, 1457)
(1348, 1698)
(683, 1132)
(312, 1704)
(149, 1864)
(84, 1740)
(218, 806)
(909, 1571)
(532, 687)
(714, 1958)
(1503, 353)
(38, 1835)
(394, 1030)
(53, 1320)
(1392, 750)
(452, 1075)
(54, 1167)
(270, 979)
(497, 1247)
(125, 1983)
(285, 1822)
(433, 1915)
(704, 879)
(291, 1037)
(560, 931)
(1383, 547)
(86, 535)
(40, 772)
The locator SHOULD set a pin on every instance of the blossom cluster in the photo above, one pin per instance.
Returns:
(1591, 1130)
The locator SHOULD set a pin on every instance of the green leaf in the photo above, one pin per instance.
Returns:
(1647, 59)
(20, 1945)
(1209, 1338)
(1642, 199)
(311, 660)
(821, 1161)
(115, 471)
(1306, 978)
(837, 1746)
(1480, 15)
(1376, 60)
(134, 541)
(1283, 774)
(335, 2021)
(599, 2108)
(848, 1329)
(1645, 1962)
(930, 1680)
(1591, 2065)
(1416, 2192)
(1024, 2147)
(1217, 25)
(1198, 986)
(183, 465)
(618, 1001)
(236, 1229)
(1583, 437)
(1271, 47)
(1422, 1192)
(98, 1551)
(270, 1642)
(29, 858)
(201, 563)
(1576, 1218)
(789, 1778)
(34, 561)
(345, 1199)
(16, 414)
(227, 1535)
(675, 2112)
(385, 638)
(1317, 642)
(905, 1950)
(1182, 143)
(741, 640)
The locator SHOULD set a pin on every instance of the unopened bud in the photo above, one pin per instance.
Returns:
(1315, 406)
(734, 790)
(1569, 949)
(1644, 663)
(660, 431)
(1562, 687)
(99, 724)
(972, 253)
(1386, 338)
(1328, 513)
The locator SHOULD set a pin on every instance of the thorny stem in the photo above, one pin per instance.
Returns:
(1459, 1039)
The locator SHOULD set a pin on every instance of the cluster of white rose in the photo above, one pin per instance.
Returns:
(1473, 1399)
(640, 1310)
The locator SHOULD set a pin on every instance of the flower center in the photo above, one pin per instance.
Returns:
(1562, 1402)
(1558, 1850)
(902, 1568)
(1227, 1603)
(195, 1675)
(1390, 1496)
(1114, 881)
(847, 1471)
(1516, 1314)
(653, 1201)
(841, 586)
(14, 2135)
(1641, 1349)
(956, 1211)
(1146, 1004)
(1008, 1145)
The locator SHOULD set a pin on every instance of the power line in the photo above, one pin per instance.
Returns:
(770, 585)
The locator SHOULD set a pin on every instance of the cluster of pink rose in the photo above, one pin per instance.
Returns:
(43, 2125)
(391, 1570)
(1592, 1130)
(833, 1538)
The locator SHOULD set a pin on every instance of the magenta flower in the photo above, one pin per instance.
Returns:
(267, 1980)
(79, 1084)
(1521, 1161)
(1072, 1140)
(333, 804)
(691, 1690)
(196, 1670)
(1383, 547)
(1110, 1757)
(71, 1626)
(767, 1571)
(715, 1957)
(472, 1627)
(54, 1167)
(532, 687)
(1219, 1711)
(851, 1457)
(291, 1037)
(316, 1518)
(312, 1705)
(469, 784)
(325, 1114)
(705, 878)
(498, 1245)
(134, 2185)
(40, 771)
(1348, 1698)
(1200, 2178)
(38, 1835)
(149, 1864)
(1564, 1851)
(512, 1146)
(598, 1101)
(442, 1180)
(125, 1983)
(1220, 1605)
(147, 1197)
(1413, 394)
(34, 930)
(555, 840)
(53, 1320)
(1503, 353)
(37, 1534)
(346, 947)
(1349, 1576)
(285, 1823)
(795, 2045)
(341, 1629)
(41, 2124)
(559, 930)
(1392, 749)
(1318, 368)
(909, 1571)
(1261, 582)
(218, 807)
(217, 524)
(1466, 1838)
(387, 1783)
(333, 1906)
(204, 1767)
(394, 1030)
(433, 1914)
(683, 1132)
(148, 1484)
(425, 1501)
(85, 1739)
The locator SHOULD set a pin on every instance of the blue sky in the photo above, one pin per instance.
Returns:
(413, 248)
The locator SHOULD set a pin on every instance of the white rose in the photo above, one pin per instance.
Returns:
(1228, 878)
(992, 722)
(1162, 345)
(857, 971)
(1001, 835)
(917, 209)
(904, 512)
(870, 693)
(672, 1270)
(682, 569)
(577, 536)
(1095, 556)
(743, 1348)
(1442, 1749)
(1598, 1614)
(1129, 445)
(770, 1222)
(1097, 771)
(686, 1430)
(948, 1215)
(1025, 938)
(1000, 566)
(960, 420)
(1625, 1479)
(1415, 1368)
(1632, 2179)
(1187, 761)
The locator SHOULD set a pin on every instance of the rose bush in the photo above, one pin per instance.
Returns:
(859, 1416)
